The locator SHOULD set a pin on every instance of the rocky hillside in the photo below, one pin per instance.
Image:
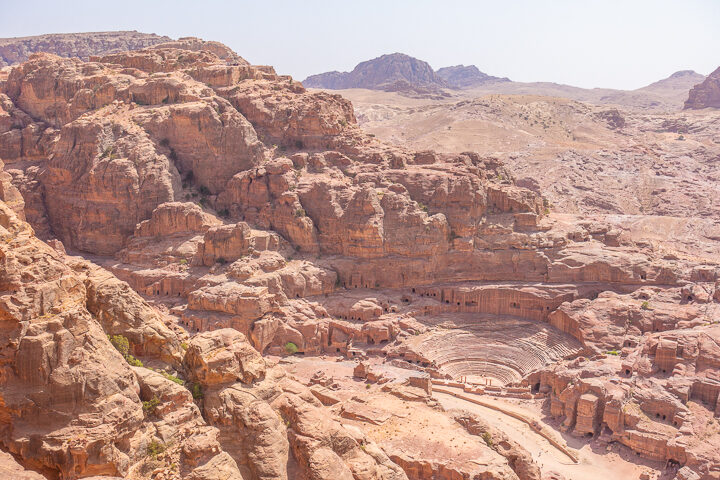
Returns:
(393, 72)
(461, 76)
(682, 80)
(705, 94)
(79, 45)
(577, 154)
(209, 272)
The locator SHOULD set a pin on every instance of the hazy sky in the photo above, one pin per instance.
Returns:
(588, 43)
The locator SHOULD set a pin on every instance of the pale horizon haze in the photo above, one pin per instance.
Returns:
(590, 43)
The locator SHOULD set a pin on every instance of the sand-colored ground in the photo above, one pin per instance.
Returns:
(595, 460)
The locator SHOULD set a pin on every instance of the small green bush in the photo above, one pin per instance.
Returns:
(134, 362)
(197, 391)
(291, 348)
(150, 406)
(300, 212)
(155, 448)
(645, 305)
(173, 378)
(487, 438)
(121, 344)
(108, 153)
(613, 352)
(204, 191)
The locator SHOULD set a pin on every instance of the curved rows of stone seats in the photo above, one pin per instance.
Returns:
(505, 349)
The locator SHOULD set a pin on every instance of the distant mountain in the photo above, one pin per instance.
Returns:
(705, 94)
(461, 76)
(682, 80)
(393, 72)
(412, 77)
(80, 45)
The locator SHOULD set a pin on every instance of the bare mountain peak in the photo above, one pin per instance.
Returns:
(392, 72)
(685, 73)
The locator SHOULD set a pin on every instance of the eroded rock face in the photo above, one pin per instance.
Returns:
(61, 377)
(663, 362)
(705, 94)
(103, 172)
(71, 406)
(223, 356)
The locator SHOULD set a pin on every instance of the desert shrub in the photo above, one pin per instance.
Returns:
(155, 448)
(173, 378)
(108, 153)
(300, 212)
(121, 344)
(150, 406)
(197, 391)
(135, 362)
(645, 305)
(291, 348)
(487, 438)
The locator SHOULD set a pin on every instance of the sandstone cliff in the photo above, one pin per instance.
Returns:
(705, 94)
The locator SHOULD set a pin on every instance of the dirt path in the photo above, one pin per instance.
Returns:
(594, 464)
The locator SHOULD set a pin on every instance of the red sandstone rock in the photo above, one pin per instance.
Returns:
(223, 356)
(705, 94)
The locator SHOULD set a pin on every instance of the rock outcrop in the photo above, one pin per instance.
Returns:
(71, 406)
(705, 94)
